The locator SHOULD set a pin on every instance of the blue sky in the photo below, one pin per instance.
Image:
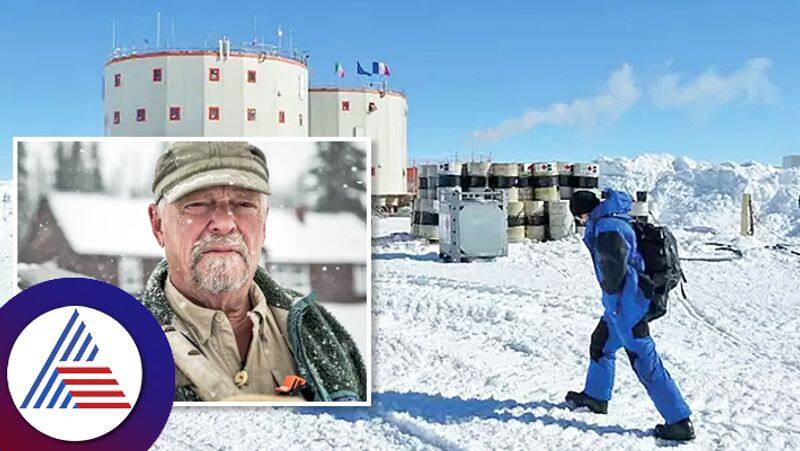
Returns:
(570, 80)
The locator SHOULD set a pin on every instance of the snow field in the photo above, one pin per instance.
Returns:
(479, 356)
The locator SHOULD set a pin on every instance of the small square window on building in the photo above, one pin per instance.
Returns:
(372, 107)
(157, 75)
(293, 276)
(251, 76)
(360, 280)
(345, 105)
(213, 74)
(251, 114)
(116, 117)
(117, 80)
(141, 115)
(131, 274)
(281, 117)
(174, 113)
(213, 113)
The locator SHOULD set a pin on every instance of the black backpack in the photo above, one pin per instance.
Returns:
(662, 266)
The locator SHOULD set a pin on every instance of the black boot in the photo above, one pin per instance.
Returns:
(682, 430)
(583, 400)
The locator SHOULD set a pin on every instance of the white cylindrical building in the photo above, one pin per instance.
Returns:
(380, 115)
(214, 92)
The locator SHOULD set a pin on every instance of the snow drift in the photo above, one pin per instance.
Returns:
(479, 356)
(706, 198)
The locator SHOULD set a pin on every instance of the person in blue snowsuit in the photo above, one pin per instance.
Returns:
(617, 263)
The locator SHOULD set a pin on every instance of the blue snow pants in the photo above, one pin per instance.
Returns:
(613, 333)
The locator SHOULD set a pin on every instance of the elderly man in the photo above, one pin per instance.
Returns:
(234, 332)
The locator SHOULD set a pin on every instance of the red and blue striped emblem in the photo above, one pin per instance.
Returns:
(72, 376)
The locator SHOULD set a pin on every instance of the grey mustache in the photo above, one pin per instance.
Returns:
(235, 241)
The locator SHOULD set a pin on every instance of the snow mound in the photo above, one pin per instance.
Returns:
(7, 231)
(705, 198)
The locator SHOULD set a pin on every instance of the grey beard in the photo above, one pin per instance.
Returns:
(221, 274)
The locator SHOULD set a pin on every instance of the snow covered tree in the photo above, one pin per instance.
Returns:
(64, 169)
(77, 170)
(24, 200)
(94, 181)
(338, 178)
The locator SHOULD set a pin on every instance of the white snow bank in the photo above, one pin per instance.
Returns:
(320, 238)
(7, 234)
(706, 198)
(387, 226)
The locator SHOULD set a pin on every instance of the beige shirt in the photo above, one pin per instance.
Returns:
(269, 358)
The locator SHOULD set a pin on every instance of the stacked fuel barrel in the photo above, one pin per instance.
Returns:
(538, 194)
(505, 177)
(425, 213)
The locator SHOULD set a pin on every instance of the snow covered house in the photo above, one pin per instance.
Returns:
(324, 252)
(109, 238)
(104, 237)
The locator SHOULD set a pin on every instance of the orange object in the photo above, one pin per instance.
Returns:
(291, 385)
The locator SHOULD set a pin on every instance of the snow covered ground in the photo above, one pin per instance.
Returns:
(7, 232)
(480, 355)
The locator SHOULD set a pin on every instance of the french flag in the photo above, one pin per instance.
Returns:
(380, 68)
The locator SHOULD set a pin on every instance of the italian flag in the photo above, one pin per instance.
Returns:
(339, 70)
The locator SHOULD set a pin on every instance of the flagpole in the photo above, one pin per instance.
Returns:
(158, 29)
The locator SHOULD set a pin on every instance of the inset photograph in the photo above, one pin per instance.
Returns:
(252, 255)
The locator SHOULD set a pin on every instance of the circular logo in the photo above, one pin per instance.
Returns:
(74, 373)
(87, 367)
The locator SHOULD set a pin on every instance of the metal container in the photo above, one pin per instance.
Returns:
(545, 181)
(504, 177)
(564, 170)
(476, 177)
(535, 220)
(516, 222)
(561, 223)
(472, 226)
(585, 177)
(449, 176)
(429, 219)
(432, 173)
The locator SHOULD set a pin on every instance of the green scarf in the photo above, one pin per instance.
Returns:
(325, 354)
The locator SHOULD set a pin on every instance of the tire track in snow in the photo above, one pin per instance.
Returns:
(525, 296)
(731, 339)
(417, 429)
(706, 322)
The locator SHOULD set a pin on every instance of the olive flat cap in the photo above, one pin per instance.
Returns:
(189, 166)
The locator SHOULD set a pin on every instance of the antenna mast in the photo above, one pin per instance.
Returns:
(158, 29)
(113, 34)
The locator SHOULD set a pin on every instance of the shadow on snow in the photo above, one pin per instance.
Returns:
(429, 257)
(438, 409)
